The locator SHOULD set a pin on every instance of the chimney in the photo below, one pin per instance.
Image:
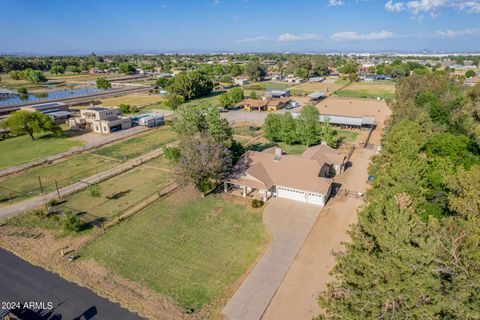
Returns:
(278, 154)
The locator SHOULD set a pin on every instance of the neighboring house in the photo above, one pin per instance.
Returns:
(240, 82)
(278, 93)
(255, 105)
(276, 76)
(95, 71)
(277, 104)
(273, 173)
(57, 111)
(316, 79)
(149, 120)
(100, 120)
(472, 81)
(294, 80)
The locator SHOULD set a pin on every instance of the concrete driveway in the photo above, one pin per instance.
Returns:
(289, 222)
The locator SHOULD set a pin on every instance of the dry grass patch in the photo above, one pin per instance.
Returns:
(139, 100)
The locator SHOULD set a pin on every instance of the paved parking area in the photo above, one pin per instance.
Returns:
(289, 222)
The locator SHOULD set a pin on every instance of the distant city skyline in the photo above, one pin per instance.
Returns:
(205, 26)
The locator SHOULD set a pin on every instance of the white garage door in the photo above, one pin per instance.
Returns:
(291, 194)
(315, 198)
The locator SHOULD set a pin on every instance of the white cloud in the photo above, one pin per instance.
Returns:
(335, 2)
(254, 39)
(458, 33)
(289, 37)
(394, 6)
(353, 36)
(431, 7)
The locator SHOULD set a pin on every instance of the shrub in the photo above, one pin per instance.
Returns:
(257, 203)
(205, 186)
(95, 191)
(72, 223)
(52, 203)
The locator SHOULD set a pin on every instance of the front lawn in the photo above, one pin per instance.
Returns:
(138, 145)
(118, 193)
(19, 150)
(186, 247)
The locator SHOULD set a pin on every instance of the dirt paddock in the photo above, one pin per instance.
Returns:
(354, 107)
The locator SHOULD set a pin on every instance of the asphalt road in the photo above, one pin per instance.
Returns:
(23, 282)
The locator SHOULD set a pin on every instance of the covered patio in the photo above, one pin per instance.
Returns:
(248, 189)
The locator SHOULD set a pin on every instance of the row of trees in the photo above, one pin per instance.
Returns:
(306, 129)
(414, 250)
(33, 76)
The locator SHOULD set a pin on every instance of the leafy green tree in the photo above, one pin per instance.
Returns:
(328, 134)
(308, 125)
(288, 133)
(226, 100)
(57, 69)
(230, 98)
(126, 68)
(22, 91)
(272, 127)
(103, 83)
(163, 82)
(302, 73)
(191, 84)
(470, 74)
(173, 101)
(35, 76)
(252, 94)
(24, 122)
(254, 70)
(74, 69)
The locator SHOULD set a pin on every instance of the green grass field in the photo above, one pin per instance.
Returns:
(138, 145)
(118, 193)
(187, 248)
(265, 85)
(250, 131)
(21, 149)
(26, 184)
(347, 136)
(366, 93)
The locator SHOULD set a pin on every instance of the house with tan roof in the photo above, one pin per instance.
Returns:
(265, 104)
(326, 154)
(304, 178)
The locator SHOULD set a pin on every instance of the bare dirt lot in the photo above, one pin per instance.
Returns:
(354, 107)
(296, 297)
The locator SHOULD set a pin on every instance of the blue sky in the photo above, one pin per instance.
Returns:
(83, 26)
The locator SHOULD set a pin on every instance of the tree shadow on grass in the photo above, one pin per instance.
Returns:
(118, 195)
